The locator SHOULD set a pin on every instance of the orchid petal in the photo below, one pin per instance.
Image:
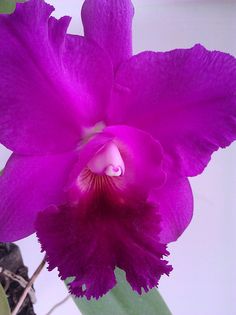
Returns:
(185, 98)
(109, 23)
(91, 73)
(88, 240)
(29, 185)
(46, 82)
(175, 204)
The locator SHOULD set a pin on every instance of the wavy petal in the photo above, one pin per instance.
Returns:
(185, 98)
(42, 99)
(109, 23)
(175, 203)
(110, 223)
(88, 240)
(29, 185)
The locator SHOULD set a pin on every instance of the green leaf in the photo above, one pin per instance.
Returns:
(123, 301)
(4, 306)
(8, 6)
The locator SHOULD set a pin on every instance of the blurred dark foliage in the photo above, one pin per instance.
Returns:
(11, 259)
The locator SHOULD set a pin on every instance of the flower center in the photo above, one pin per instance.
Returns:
(107, 161)
(103, 172)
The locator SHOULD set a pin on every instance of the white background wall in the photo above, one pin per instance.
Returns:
(204, 278)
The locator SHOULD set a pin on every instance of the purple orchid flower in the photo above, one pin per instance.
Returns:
(103, 141)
